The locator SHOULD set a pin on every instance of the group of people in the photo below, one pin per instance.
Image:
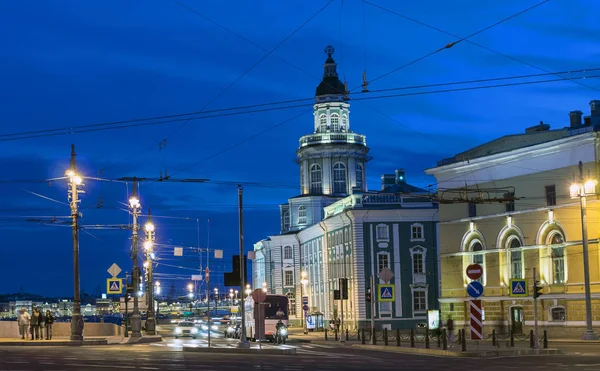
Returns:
(35, 323)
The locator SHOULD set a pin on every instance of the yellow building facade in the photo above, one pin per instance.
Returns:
(541, 229)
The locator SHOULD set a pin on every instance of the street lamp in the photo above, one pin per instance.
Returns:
(303, 282)
(148, 264)
(581, 190)
(74, 181)
(136, 319)
(236, 294)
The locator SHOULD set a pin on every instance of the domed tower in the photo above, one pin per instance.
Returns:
(332, 158)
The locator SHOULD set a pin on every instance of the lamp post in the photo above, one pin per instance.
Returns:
(149, 246)
(303, 282)
(231, 297)
(248, 291)
(136, 319)
(582, 190)
(157, 293)
(74, 181)
(216, 298)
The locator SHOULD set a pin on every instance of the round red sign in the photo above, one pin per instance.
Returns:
(474, 271)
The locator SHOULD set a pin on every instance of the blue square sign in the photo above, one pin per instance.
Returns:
(518, 287)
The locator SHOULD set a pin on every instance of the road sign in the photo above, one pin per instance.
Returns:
(474, 271)
(114, 270)
(385, 293)
(259, 296)
(476, 323)
(305, 307)
(178, 251)
(196, 277)
(475, 289)
(386, 275)
(518, 287)
(305, 300)
(114, 286)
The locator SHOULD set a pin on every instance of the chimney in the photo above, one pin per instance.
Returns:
(538, 128)
(595, 108)
(575, 118)
(400, 178)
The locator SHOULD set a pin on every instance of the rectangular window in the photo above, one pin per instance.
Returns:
(419, 301)
(551, 195)
(558, 264)
(509, 201)
(416, 232)
(418, 266)
(559, 314)
(383, 232)
(383, 261)
(288, 278)
(472, 209)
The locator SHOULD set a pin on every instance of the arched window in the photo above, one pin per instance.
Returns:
(558, 256)
(335, 122)
(292, 302)
(359, 176)
(288, 253)
(477, 246)
(516, 257)
(344, 125)
(339, 178)
(302, 214)
(286, 221)
(316, 186)
(322, 122)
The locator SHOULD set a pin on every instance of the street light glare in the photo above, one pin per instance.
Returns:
(134, 202)
(574, 190)
(147, 245)
(77, 180)
(149, 227)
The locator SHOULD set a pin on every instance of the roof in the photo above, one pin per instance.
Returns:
(331, 85)
(402, 188)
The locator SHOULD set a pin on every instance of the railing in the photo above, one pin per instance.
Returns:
(321, 138)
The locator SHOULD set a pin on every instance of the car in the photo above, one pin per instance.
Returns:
(186, 328)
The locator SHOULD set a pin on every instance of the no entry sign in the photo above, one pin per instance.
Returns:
(474, 271)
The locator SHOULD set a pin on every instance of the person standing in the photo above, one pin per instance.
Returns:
(49, 322)
(450, 326)
(35, 324)
(24, 319)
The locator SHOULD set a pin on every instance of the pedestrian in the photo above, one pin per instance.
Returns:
(24, 319)
(35, 324)
(49, 322)
(42, 323)
(450, 327)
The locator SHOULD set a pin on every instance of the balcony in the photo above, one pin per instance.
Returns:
(325, 138)
(377, 200)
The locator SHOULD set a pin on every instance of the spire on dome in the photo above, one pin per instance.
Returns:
(331, 84)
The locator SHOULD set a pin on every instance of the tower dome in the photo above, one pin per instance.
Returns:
(331, 83)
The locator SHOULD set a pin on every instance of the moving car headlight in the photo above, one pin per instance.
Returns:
(214, 327)
(177, 330)
(283, 332)
(194, 330)
(204, 327)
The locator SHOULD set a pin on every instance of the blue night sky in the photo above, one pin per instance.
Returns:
(71, 63)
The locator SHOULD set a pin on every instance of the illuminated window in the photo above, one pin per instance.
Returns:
(323, 122)
(339, 178)
(316, 186)
(383, 232)
(335, 122)
(302, 214)
(288, 253)
(516, 257)
(359, 176)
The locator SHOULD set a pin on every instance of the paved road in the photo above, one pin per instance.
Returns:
(168, 356)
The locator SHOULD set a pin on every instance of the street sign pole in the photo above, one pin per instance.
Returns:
(373, 296)
(536, 343)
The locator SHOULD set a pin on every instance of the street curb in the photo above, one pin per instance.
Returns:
(287, 351)
(145, 340)
(73, 343)
(448, 353)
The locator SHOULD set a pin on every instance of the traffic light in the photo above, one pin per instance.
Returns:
(344, 288)
(368, 295)
(537, 289)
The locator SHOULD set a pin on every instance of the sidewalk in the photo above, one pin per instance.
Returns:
(88, 340)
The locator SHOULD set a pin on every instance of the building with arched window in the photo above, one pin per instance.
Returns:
(517, 214)
(337, 228)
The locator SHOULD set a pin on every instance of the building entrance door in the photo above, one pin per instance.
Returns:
(516, 319)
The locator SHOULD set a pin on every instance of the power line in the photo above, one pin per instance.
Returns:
(451, 44)
(242, 110)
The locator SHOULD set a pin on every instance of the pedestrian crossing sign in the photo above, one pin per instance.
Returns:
(518, 287)
(386, 293)
(114, 286)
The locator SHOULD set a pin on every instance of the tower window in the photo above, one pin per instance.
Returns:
(286, 221)
(302, 214)
(335, 122)
(359, 176)
(316, 179)
(322, 122)
(551, 195)
(339, 178)
(344, 126)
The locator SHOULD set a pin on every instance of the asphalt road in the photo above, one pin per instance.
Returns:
(168, 356)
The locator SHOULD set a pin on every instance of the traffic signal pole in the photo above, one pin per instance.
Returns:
(536, 343)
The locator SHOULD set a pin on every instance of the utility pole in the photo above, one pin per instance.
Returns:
(243, 341)
(208, 300)
(126, 300)
(536, 343)
(373, 296)
(74, 181)
(148, 246)
(136, 319)
(589, 331)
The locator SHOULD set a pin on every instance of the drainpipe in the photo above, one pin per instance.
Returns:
(324, 274)
(300, 275)
(347, 213)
